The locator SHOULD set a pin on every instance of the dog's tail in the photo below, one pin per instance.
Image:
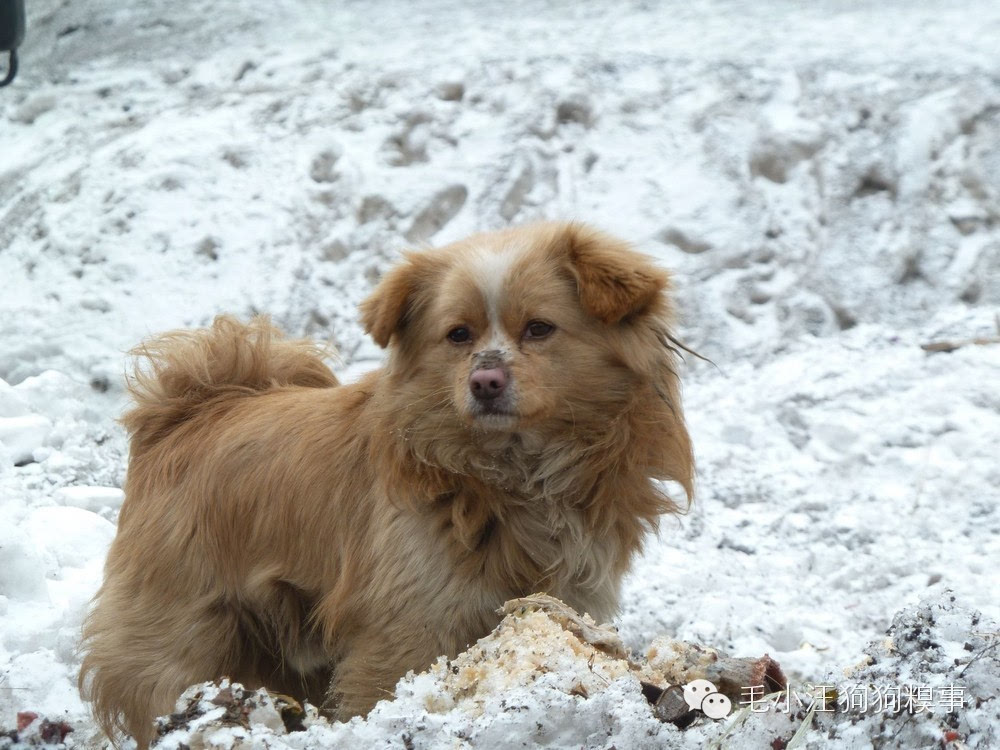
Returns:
(180, 371)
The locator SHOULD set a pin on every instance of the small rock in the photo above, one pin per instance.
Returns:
(322, 167)
(671, 706)
(208, 247)
(575, 108)
(450, 91)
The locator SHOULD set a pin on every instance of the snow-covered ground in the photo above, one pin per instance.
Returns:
(823, 177)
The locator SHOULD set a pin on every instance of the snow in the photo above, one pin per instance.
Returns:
(823, 178)
(23, 435)
(538, 680)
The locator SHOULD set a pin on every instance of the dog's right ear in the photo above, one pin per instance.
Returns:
(398, 296)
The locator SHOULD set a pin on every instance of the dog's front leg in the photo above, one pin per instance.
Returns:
(372, 666)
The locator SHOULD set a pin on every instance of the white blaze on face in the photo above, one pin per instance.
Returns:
(492, 268)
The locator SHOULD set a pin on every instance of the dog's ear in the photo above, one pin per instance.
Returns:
(398, 296)
(614, 281)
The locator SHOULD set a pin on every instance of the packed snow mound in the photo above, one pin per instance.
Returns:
(550, 677)
(531, 678)
(934, 679)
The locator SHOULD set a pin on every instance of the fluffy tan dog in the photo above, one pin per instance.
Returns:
(322, 539)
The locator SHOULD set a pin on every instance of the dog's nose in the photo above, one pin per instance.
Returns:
(487, 384)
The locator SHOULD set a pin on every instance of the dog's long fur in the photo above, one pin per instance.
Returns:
(322, 539)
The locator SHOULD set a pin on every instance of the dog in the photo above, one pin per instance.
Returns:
(322, 539)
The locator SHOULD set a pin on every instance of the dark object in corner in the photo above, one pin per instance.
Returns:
(11, 34)
(669, 704)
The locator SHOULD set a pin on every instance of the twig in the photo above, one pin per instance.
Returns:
(950, 346)
(979, 655)
(799, 737)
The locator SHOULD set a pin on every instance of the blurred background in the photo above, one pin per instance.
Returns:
(802, 167)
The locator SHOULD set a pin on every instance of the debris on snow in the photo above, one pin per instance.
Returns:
(547, 675)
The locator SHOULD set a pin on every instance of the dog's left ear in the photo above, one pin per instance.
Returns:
(398, 297)
(614, 281)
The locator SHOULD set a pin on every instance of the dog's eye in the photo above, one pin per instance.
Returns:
(538, 329)
(459, 335)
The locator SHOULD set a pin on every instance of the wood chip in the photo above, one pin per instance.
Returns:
(602, 637)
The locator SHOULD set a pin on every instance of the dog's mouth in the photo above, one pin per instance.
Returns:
(493, 416)
(493, 409)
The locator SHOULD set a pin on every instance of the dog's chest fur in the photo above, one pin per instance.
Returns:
(461, 589)
(516, 519)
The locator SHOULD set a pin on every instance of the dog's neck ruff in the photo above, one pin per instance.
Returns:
(527, 467)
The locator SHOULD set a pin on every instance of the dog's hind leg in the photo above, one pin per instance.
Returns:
(141, 655)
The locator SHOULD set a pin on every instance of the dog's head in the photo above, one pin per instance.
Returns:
(546, 331)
